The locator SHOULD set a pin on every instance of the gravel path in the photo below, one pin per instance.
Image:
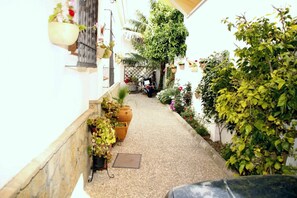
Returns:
(171, 156)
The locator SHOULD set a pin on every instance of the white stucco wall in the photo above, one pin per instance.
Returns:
(40, 97)
(209, 34)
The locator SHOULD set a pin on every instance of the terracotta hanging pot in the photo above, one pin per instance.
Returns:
(125, 114)
(62, 33)
(181, 66)
(173, 70)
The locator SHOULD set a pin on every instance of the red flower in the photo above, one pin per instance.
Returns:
(180, 88)
(71, 12)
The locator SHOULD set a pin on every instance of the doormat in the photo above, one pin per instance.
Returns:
(127, 160)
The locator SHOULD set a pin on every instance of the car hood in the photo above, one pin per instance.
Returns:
(246, 186)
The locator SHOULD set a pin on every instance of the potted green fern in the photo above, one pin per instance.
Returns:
(125, 112)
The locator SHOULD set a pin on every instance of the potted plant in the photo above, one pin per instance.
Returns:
(181, 65)
(173, 68)
(202, 63)
(121, 129)
(125, 112)
(197, 93)
(102, 139)
(62, 29)
(103, 50)
(111, 111)
(132, 82)
(193, 65)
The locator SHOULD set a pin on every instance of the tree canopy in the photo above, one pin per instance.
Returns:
(163, 36)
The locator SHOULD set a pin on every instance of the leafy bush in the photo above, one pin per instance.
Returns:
(111, 110)
(263, 101)
(189, 116)
(165, 96)
(187, 94)
(177, 96)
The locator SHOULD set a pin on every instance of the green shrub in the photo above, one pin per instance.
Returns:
(165, 96)
(263, 101)
(189, 116)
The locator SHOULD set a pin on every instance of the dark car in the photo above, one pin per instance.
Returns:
(246, 186)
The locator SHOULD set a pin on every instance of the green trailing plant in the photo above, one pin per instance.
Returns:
(102, 137)
(111, 110)
(263, 101)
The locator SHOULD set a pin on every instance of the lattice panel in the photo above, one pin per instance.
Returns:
(138, 72)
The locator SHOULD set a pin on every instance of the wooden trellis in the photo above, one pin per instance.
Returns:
(138, 72)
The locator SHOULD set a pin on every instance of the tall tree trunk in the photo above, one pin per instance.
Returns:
(163, 64)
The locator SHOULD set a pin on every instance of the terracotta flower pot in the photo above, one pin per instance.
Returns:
(125, 114)
(173, 70)
(121, 131)
(62, 33)
(181, 66)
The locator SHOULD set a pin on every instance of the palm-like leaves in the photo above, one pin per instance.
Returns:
(139, 26)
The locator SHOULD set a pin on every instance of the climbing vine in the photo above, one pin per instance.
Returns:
(263, 101)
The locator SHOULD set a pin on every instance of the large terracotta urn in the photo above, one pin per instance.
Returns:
(125, 114)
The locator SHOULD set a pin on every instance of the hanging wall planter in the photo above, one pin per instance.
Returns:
(107, 53)
(100, 51)
(181, 66)
(62, 33)
(104, 51)
(194, 69)
(173, 68)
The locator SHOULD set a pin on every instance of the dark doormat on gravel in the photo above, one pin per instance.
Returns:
(127, 160)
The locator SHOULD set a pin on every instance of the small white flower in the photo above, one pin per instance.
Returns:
(281, 136)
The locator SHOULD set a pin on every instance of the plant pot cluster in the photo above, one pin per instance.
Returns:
(193, 65)
(108, 128)
(119, 115)
(103, 136)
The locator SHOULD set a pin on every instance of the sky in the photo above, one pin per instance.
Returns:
(133, 5)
